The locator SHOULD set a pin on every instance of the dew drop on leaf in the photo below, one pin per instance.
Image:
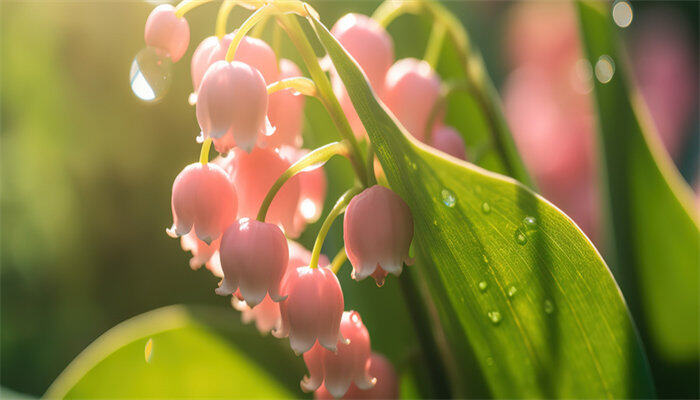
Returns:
(512, 291)
(548, 306)
(530, 223)
(622, 14)
(448, 198)
(520, 237)
(150, 75)
(495, 317)
(483, 285)
(604, 69)
(148, 350)
(485, 207)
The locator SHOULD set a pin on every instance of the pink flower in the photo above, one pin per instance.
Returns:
(165, 31)
(202, 253)
(387, 386)
(411, 90)
(448, 140)
(286, 111)
(350, 364)
(378, 229)
(312, 182)
(312, 310)
(251, 51)
(253, 175)
(254, 257)
(373, 49)
(204, 200)
(232, 100)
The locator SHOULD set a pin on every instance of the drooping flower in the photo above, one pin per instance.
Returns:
(202, 253)
(251, 51)
(253, 174)
(232, 101)
(387, 386)
(373, 49)
(448, 140)
(203, 199)
(165, 31)
(286, 111)
(378, 229)
(312, 184)
(312, 310)
(254, 258)
(350, 364)
(411, 91)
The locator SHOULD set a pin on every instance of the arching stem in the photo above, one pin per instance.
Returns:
(247, 25)
(302, 85)
(187, 5)
(339, 260)
(222, 17)
(432, 50)
(338, 209)
(390, 10)
(204, 153)
(318, 156)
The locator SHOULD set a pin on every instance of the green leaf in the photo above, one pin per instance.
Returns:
(196, 352)
(548, 319)
(655, 233)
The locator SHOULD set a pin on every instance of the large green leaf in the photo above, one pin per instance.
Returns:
(196, 352)
(523, 298)
(655, 235)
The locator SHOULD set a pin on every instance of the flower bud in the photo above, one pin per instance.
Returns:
(286, 111)
(387, 386)
(448, 140)
(251, 51)
(349, 364)
(253, 175)
(312, 310)
(254, 257)
(373, 49)
(164, 30)
(232, 100)
(378, 229)
(411, 90)
(203, 199)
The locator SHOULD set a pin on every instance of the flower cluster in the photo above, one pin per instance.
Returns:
(239, 213)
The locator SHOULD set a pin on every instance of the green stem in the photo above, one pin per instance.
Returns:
(204, 152)
(302, 85)
(247, 25)
(339, 260)
(432, 50)
(390, 10)
(222, 17)
(318, 156)
(325, 91)
(338, 209)
(187, 5)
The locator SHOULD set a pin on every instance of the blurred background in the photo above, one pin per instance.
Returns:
(87, 168)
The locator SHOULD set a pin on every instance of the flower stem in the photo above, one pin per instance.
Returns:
(432, 50)
(204, 153)
(325, 91)
(318, 156)
(187, 5)
(390, 10)
(339, 260)
(338, 209)
(222, 17)
(247, 25)
(302, 85)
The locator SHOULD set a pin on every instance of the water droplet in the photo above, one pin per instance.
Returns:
(622, 14)
(150, 74)
(495, 317)
(148, 350)
(604, 69)
(448, 198)
(512, 291)
(520, 237)
(489, 361)
(483, 285)
(530, 223)
(485, 258)
(485, 207)
(308, 209)
(548, 306)
(192, 99)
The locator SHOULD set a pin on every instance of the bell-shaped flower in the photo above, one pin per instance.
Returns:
(202, 253)
(165, 31)
(312, 183)
(232, 100)
(203, 199)
(312, 310)
(350, 364)
(253, 174)
(286, 111)
(411, 90)
(378, 229)
(254, 258)
(448, 140)
(373, 49)
(251, 51)
(387, 386)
